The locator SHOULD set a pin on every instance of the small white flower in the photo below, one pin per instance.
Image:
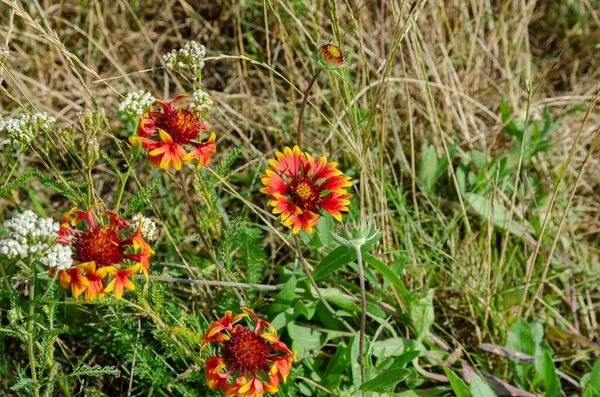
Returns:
(191, 57)
(203, 104)
(148, 226)
(136, 103)
(26, 127)
(58, 256)
(35, 237)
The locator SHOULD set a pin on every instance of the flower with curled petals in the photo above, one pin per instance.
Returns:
(176, 129)
(101, 249)
(254, 358)
(301, 186)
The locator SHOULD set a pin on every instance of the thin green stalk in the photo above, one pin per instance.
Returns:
(12, 169)
(303, 106)
(4, 277)
(36, 391)
(316, 287)
(363, 314)
(123, 183)
(207, 242)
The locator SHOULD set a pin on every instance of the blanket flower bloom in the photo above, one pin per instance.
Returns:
(301, 186)
(175, 129)
(255, 357)
(99, 250)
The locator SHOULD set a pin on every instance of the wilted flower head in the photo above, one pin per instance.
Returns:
(99, 250)
(136, 104)
(26, 128)
(30, 236)
(356, 234)
(254, 357)
(330, 56)
(301, 186)
(190, 57)
(176, 128)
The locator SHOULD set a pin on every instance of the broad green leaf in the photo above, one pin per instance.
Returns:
(392, 347)
(458, 386)
(307, 337)
(336, 367)
(388, 274)
(355, 364)
(422, 316)
(511, 128)
(428, 167)
(595, 378)
(337, 297)
(337, 258)
(481, 205)
(431, 392)
(385, 382)
(284, 299)
(401, 361)
(550, 377)
(480, 388)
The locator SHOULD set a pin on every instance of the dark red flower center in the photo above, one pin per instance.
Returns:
(332, 53)
(181, 124)
(98, 244)
(304, 193)
(246, 351)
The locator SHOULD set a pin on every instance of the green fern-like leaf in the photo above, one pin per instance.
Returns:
(223, 167)
(96, 370)
(192, 337)
(112, 164)
(139, 198)
(158, 294)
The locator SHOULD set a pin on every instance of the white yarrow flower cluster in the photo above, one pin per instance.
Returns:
(136, 103)
(29, 235)
(148, 226)
(203, 104)
(191, 57)
(26, 127)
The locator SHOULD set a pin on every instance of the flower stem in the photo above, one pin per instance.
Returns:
(316, 287)
(207, 242)
(4, 277)
(36, 391)
(363, 314)
(303, 106)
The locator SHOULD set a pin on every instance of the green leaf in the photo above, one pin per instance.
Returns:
(480, 388)
(511, 128)
(401, 361)
(140, 197)
(337, 258)
(422, 316)
(284, 299)
(385, 382)
(550, 377)
(428, 167)
(355, 364)
(307, 337)
(595, 378)
(458, 386)
(481, 205)
(392, 347)
(389, 275)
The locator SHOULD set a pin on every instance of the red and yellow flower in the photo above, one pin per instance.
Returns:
(254, 357)
(100, 250)
(301, 186)
(165, 135)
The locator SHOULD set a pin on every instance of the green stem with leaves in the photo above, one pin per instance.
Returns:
(36, 391)
(363, 313)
